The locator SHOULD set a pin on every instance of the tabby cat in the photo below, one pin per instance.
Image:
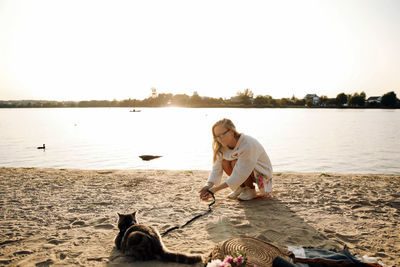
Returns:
(144, 242)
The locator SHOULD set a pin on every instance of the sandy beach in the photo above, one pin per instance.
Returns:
(58, 217)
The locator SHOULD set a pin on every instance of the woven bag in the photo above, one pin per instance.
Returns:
(257, 251)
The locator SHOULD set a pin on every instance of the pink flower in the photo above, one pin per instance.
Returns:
(228, 259)
(261, 181)
(239, 259)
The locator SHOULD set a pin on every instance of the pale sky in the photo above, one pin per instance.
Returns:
(82, 50)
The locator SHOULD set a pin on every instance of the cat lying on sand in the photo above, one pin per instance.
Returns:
(144, 242)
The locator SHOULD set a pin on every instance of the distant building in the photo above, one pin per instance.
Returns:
(374, 99)
(314, 97)
(235, 99)
(154, 92)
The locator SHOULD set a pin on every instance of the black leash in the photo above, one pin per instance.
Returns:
(194, 218)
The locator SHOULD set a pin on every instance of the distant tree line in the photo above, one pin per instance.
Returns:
(242, 99)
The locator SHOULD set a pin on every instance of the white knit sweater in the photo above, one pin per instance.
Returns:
(250, 156)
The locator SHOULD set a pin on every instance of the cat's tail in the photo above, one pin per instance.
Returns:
(180, 257)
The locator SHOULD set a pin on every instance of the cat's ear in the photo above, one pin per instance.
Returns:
(119, 214)
(134, 214)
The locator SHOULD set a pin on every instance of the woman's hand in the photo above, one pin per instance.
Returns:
(204, 195)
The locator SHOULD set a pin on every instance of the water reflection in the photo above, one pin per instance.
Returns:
(325, 140)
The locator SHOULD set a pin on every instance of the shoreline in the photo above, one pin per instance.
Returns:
(68, 216)
(216, 107)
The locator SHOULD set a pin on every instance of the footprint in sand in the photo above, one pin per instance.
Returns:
(100, 223)
(179, 210)
(347, 238)
(101, 220)
(272, 235)
(106, 226)
(22, 252)
(48, 246)
(5, 261)
(55, 241)
(44, 263)
(62, 255)
(95, 259)
(79, 223)
(64, 227)
(241, 224)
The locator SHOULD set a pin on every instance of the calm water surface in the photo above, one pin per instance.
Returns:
(298, 140)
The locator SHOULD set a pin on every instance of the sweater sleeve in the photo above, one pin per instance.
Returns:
(216, 172)
(247, 160)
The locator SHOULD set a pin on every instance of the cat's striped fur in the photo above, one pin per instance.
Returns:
(144, 242)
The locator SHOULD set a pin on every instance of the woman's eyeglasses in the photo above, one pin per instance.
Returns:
(221, 135)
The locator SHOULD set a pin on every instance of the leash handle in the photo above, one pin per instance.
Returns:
(213, 202)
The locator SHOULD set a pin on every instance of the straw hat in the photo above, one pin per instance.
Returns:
(257, 251)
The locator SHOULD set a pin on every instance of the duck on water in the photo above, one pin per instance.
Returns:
(42, 147)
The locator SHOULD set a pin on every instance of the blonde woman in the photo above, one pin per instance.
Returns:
(243, 159)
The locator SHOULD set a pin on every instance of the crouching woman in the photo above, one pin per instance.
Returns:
(243, 159)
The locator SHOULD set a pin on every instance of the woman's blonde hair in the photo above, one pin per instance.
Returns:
(228, 124)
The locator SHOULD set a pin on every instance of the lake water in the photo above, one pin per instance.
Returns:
(297, 140)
